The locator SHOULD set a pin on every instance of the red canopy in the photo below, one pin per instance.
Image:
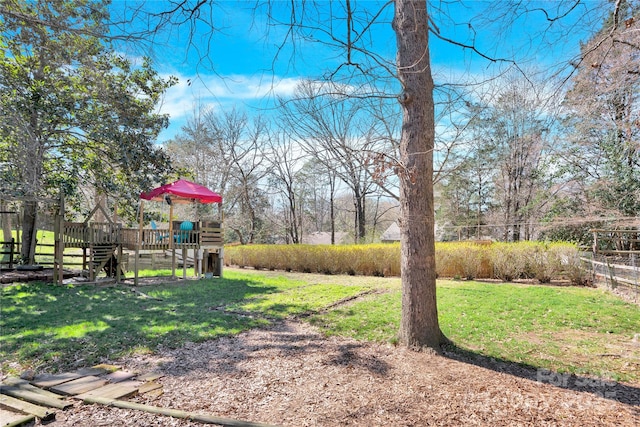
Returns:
(183, 191)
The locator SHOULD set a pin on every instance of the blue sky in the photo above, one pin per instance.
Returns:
(236, 65)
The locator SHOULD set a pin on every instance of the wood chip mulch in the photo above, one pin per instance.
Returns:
(290, 375)
(8, 277)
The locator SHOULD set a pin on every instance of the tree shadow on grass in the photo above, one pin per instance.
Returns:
(605, 388)
(55, 328)
(52, 328)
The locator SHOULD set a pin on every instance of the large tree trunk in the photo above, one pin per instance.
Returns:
(6, 222)
(419, 325)
(6, 227)
(29, 230)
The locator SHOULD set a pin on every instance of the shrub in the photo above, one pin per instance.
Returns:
(470, 260)
(542, 263)
(572, 266)
(509, 261)
(447, 263)
(505, 261)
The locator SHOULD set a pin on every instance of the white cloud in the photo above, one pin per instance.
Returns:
(219, 90)
(177, 100)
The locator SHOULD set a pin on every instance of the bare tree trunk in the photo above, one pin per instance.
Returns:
(362, 218)
(300, 212)
(29, 230)
(419, 325)
(332, 210)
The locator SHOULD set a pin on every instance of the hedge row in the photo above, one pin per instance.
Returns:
(366, 260)
(482, 260)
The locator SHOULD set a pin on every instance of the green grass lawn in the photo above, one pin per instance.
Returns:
(565, 329)
(47, 327)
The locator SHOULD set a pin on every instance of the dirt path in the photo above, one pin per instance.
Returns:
(291, 375)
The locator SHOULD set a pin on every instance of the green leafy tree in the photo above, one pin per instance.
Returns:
(75, 112)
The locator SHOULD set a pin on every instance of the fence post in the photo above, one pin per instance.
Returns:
(58, 251)
(11, 248)
(611, 272)
(635, 273)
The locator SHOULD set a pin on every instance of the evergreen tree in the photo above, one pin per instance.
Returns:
(76, 113)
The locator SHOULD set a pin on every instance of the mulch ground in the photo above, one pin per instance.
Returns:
(44, 275)
(290, 375)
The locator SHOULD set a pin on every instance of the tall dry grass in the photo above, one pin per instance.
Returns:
(543, 261)
(368, 260)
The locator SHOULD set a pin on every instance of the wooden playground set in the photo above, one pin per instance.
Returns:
(107, 246)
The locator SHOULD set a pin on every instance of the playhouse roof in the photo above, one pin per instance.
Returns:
(183, 191)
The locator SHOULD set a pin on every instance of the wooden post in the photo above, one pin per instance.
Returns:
(221, 259)
(12, 249)
(120, 259)
(140, 237)
(184, 262)
(171, 242)
(171, 245)
(198, 258)
(58, 257)
(92, 254)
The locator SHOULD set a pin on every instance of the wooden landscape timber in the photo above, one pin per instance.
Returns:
(41, 412)
(43, 394)
(15, 420)
(205, 419)
(22, 401)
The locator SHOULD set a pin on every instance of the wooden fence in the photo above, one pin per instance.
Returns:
(44, 255)
(614, 260)
(614, 272)
(8, 253)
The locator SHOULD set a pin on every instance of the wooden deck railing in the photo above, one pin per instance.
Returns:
(78, 234)
(212, 234)
(74, 234)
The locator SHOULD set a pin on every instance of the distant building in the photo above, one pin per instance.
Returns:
(391, 234)
(324, 238)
